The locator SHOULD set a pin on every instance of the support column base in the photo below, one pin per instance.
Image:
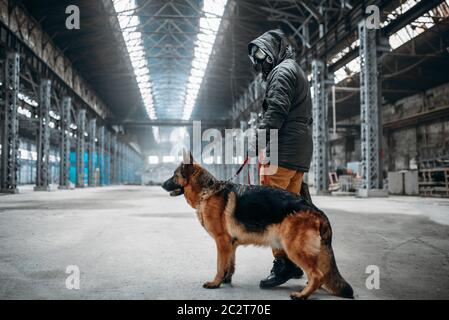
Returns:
(315, 192)
(66, 187)
(372, 193)
(44, 188)
(10, 191)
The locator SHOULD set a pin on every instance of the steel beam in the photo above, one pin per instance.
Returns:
(170, 123)
(43, 137)
(418, 10)
(10, 125)
(337, 34)
(80, 148)
(312, 9)
(64, 170)
(249, 101)
(370, 108)
(65, 76)
(320, 129)
(92, 151)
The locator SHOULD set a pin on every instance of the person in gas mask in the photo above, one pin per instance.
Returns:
(286, 107)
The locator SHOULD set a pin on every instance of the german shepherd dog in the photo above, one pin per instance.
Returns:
(235, 214)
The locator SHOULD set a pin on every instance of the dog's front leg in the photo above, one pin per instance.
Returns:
(224, 254)
(230, 269)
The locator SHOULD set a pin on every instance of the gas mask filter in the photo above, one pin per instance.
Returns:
(260, 60)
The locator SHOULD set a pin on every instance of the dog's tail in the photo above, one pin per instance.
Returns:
(333, 281)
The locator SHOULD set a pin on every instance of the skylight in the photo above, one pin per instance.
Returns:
(209, 25)
(420, 25)
(397, 39)
(153, 159)
(134, 45)
(348, 70)
(345, 51)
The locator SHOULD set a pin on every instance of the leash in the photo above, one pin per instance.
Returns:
(240, 170)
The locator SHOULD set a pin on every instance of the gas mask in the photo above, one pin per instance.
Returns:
(261, 61)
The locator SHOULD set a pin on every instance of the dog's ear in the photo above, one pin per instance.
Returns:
(187, 170)
(187, 157)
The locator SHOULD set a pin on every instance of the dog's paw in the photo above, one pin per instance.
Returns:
(227, 280)
(211, 285)
(297, 296)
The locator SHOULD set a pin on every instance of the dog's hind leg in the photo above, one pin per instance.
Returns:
(302, 243)
(224, 253)
(314, 275)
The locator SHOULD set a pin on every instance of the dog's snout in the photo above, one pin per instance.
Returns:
(166, 185)
(171, 186)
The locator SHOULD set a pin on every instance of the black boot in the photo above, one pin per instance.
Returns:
(282, 271)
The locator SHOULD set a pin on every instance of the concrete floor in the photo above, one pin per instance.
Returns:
(138, 243)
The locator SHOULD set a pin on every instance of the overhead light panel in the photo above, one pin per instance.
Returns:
(209, 25)
(129, 24)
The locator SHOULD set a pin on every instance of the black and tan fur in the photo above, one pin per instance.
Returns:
(236, 215)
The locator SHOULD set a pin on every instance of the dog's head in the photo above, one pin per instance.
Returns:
(175, 185)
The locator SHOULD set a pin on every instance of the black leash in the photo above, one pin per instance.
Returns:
(305, 193)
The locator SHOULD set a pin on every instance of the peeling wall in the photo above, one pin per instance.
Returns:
(403, 147)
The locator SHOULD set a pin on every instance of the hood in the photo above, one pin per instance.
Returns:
(275, 44)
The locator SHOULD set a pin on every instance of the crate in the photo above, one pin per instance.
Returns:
(396, 183)
(346, 183)
(333, 182)
(403, 183)
(434, 182)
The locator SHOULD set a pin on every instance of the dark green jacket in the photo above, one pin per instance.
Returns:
(287, 105)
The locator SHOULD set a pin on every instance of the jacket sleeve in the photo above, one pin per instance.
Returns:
(278, 98)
